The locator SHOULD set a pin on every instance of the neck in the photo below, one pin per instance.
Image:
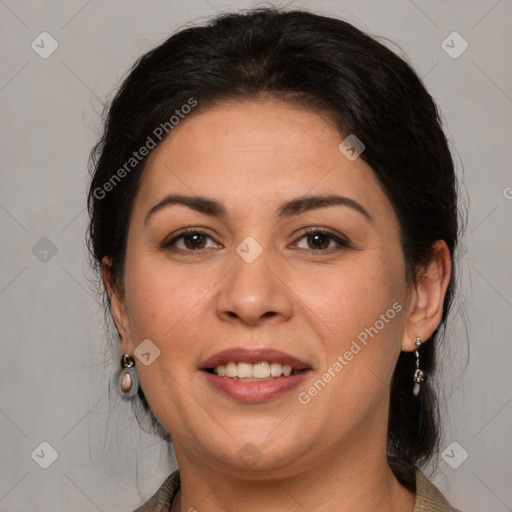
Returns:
(341, 480)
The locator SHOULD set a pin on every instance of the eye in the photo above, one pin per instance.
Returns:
(323, 241)
(318, 241)
(192, 240)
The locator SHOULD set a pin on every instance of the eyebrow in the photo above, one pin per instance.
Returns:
(296, 206)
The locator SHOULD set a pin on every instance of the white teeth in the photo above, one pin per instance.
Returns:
(231, 370)
(262, 370)
(276, 369)
(244, 370)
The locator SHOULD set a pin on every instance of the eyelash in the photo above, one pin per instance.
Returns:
(342, 243)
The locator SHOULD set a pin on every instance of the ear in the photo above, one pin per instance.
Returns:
(117, 304)
(426, 303)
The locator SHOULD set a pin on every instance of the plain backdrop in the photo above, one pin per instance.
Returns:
(54, 369)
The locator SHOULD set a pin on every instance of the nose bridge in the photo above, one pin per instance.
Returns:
(253, 291)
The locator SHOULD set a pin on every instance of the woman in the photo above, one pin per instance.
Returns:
(274, 217)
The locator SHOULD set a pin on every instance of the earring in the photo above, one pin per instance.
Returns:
(418, 374)
(128, 382)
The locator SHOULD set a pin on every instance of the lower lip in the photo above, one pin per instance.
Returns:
(253, 391)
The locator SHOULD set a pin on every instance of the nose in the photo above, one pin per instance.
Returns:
(255, 293)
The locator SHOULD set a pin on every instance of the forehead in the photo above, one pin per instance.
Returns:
(253, 154)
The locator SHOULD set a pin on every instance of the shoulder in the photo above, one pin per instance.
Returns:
(161, 501)
(428, 496)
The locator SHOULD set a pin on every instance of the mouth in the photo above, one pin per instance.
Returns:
(254, 375)
(242, 363)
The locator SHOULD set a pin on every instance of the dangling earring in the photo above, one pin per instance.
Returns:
(128, 382)
(418, 374)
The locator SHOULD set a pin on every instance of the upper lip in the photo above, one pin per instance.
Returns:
(239, 354)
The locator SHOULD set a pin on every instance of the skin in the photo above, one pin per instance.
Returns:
(329, 454)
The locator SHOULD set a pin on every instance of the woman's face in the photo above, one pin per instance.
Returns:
(252, 278)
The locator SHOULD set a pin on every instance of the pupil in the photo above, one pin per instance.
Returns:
(196, 240)
(319, 238)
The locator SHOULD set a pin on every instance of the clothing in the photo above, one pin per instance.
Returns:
(428, 497)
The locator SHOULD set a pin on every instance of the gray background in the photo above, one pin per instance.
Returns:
(53, 369)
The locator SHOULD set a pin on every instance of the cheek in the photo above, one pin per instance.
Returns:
(351, 296)
(164, 305)
(363, 306)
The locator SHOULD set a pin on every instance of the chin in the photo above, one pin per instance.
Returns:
(256, 452)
